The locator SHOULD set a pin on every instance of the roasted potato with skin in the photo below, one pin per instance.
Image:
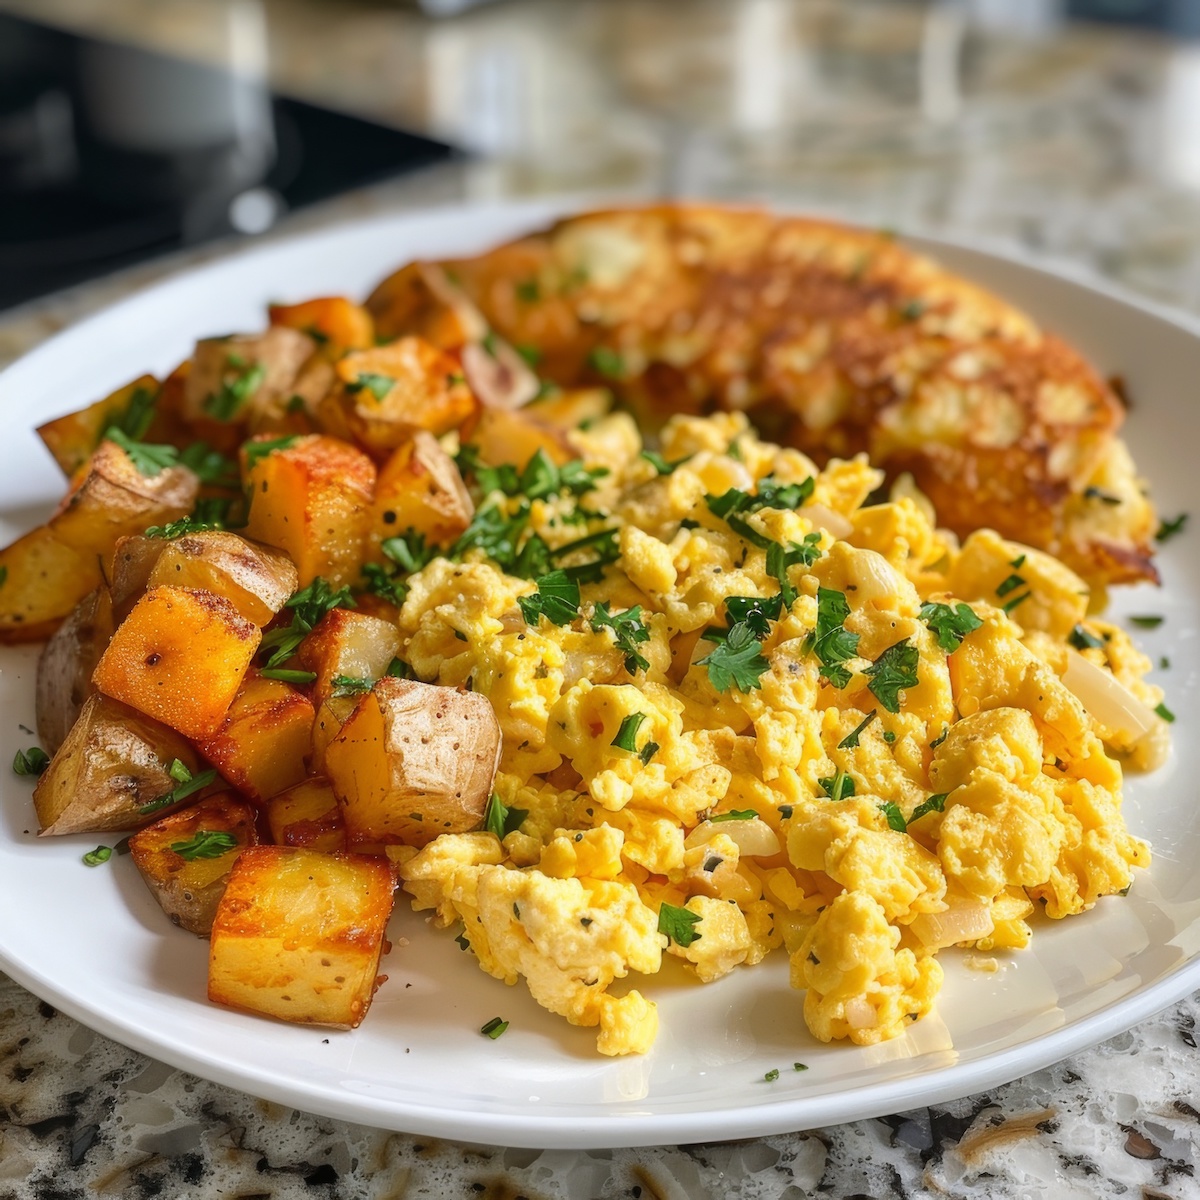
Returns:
(414, 760)
(312, 499)
(503, 437)
(420, 488)
(185, 858)
(113, 763)
(350, 644)
(390, 392)
(110, 499)
(41, 581)
(179, 657)
(421, 298)
(64, 678)
(298, 934)
(72, 438)
(335, 323)
(331, 716)
(256, 579)
(307, 815)
(267, 734)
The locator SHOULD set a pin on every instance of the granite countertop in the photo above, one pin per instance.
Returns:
(1080, 142)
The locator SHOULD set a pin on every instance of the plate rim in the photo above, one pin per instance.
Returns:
(543, 1128)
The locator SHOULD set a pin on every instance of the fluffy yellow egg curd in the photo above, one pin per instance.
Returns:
(745, 711)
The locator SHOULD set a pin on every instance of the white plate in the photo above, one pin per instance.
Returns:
(93, 942)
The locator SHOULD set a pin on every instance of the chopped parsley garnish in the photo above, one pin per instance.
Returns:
(780, 558)
(626, 738)
(350, 685)
(1164, 712)
(410, 550)
(1095, 493)
(606, 546)
(647, 752)
(737, 814)
(184, 525)
(399, 669)
(556, 599)
(894, 669)
(755, 611)
(1146, 622)
(531, 354)
(236, 388)
(205, 843)
(941, 737)
(494, 1028)
(895, 818)
(495, 533)
(832, 643)
(737, 661)
(799, 1067)
(889, 736)
(936, 803)
(1164, 663)
(1009, 585)
(1168, 529)
(135, 421)
(378, 385)
(186, 785)
(101, 854)
(770, 494)
(30, 762)
(837, 787)
(147, 459)
(308, 606)
(662, 465)
(850, 741)
(772, 1075)
(1009, 605)
(678, 924)
(628, 632)
(1018, 562)
(527, 290)
(286, 676)
(1081, 639)
(260, 449)
(381, 582)
(607, 362)
(950, 623)
(501, 820)
(209, 465)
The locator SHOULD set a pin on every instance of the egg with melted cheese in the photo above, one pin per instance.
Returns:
(745, 710)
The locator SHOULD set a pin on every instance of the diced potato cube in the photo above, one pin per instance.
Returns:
(64, 678)
(333, 321)
(186, 858)
(298, 934)
(232, 377)
(420, 488)
(72, 438)
(256, 579)
(412, 761)
(42, 581)
(349, 644)
(307, 815)
(504, 436)
(111, 498)
(266, 736)
(312, 499)
(113, 764)
(421, 299)
(390, 392)
(179, 657)
(331, 716)
(570, 408)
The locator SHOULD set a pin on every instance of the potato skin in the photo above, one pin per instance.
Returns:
(298, 934)
(64, 678)
(72, 438)
(420, 488)
(350, 643)
(412, 761)
(113, 762)
(189, 891)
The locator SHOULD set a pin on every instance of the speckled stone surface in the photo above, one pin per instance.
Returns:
(1081, 142)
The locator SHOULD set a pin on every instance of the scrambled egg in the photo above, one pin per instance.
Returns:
(845, 761)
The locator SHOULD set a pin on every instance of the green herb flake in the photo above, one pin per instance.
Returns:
(1095, 493)
(647, 752)
(181, 528)
(1012, 604)
(1018, 562)
(101, 854)
(1009, 585)
(209, 465)
(1164, 712)
(284, 675)
(135, 421)
(607, 362)
(1168, 529)
(895, 818)
(837, 787)
(893, 670)
(1146, 622)
(3, 576)
(350, 685)
(626, 738)
(889, 736)
(1164, 663)
(1083, 639)
(148, 460)
(935, 803)
(678, 924)
(527, 291)
(307, 607)
(236, 388)
(501, 820)
(737, 661)
(259, 449)
(950, 622)
(737, 814)
(941, 737)
(378, 385)
(850, 741)
(772, 1075)
(494, 1028)
(187, 785)
(628, 633)
(30, 762)
(832, 643)
(799, 1067)
(205, 843)
(531, 354)
(662, 465)
(556, 599)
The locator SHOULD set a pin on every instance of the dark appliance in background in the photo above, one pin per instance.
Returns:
(111, 154)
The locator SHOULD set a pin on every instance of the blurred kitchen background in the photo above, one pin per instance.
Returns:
(131, 128)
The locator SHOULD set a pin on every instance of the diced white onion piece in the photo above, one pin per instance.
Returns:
(823, 517)
(754, 838)
(860, 1013)
(874, 577)
(499, 376)
(963, 921)
(1108, 700)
